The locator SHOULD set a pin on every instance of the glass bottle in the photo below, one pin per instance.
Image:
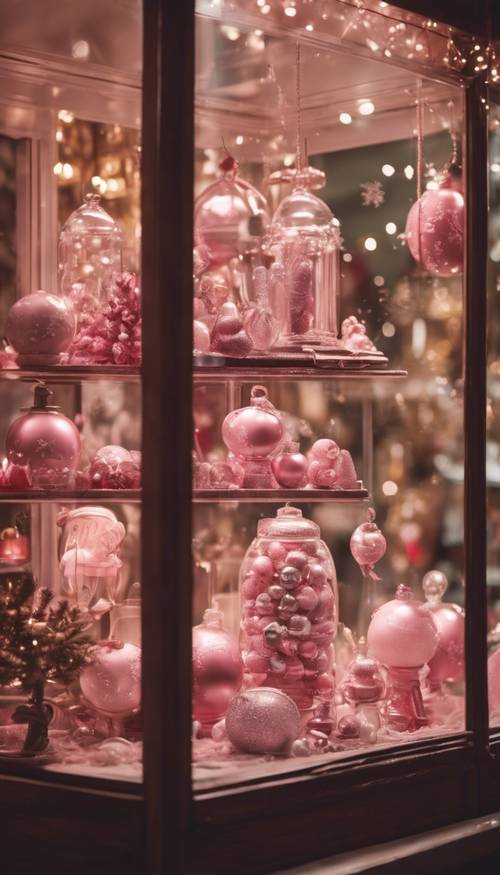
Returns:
(289, 609)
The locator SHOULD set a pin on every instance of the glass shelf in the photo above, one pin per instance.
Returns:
(278, 496)
(72, 373)
(61, 496)
(288, 371)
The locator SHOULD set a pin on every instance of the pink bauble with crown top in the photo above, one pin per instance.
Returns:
(252, 434)
(217, 669)
(435, 231)
(368, 544)
(402, 631)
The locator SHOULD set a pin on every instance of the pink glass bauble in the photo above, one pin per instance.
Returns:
(201, 337)
(262, 720)
(228, 334)
(290, 468)
(40, 326)
(230, 216)
(291, 616)
(253, 433)
(217, 670)
(112, 683)
(447, 664)
(494, 683)
(435, 231)
(114, 467)
(368, 545)
(46, 442)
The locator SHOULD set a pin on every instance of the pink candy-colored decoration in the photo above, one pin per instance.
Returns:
(114, 467)
(447, 664)
(253, 433)
(39, 327)
(354, 336)
(262, 720)
(217, 670)
(494, 683)
(288, 590)
(403, 636)
(330, 467)
(290, 468)
(228, 334)
(435, 231)
(368, 545)
(112, 683)
(44, 442)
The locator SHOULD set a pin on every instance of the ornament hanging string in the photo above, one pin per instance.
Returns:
(420, 161)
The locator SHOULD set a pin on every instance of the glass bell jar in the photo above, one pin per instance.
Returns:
(289, 609)
(90, 252)
(305, 240)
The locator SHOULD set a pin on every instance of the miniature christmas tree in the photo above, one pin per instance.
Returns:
(39, 641)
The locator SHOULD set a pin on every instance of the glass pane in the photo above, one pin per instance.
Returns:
(70, 499)
(328, 408)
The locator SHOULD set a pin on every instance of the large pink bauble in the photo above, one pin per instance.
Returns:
(253, 432)
(40, 326)
(290, 470)
(494, 682)
(402, 633)
(435, 231)
(112, 683)
(262, 720)
(447, 664)
(48, 443)
(217, 670)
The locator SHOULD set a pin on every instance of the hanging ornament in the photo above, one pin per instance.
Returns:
(39, 327)
(45, 442)
(230, 216)
(368, 545)
(447, 664)
(289, 605)
(217, 670)
(403, 636)
(253, 433)
(262, 721)
(112, 682)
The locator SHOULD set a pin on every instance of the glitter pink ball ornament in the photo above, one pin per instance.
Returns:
(290, 468)
(368, 545)
(40, 326)
(403, 636)
(252, 434)
(262, 720)
(114, 467)
(447, 664)
(435, 231)
(46, 442)
(494, 682)
(112, 683)
(217, 670)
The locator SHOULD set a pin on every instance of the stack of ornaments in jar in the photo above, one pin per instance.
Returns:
(262, 456)
(230, 219)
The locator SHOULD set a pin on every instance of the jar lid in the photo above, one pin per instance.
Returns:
(304, 211)
(91, 218)
(86, 510)
(288, 523)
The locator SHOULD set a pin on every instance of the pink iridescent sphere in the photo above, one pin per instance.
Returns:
(402, 632)
(290, 469)
(262, 720)
(46, 442)
(40, 326)
(368, 544)
(447, 664)
(494, 683)
(112, 683)
(217, 670)
(253, 432)
(435, 231)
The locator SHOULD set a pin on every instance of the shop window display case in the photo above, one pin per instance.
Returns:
(244, 301)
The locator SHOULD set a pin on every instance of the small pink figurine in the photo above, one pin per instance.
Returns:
(228, 335)
(363, 687)
(330, 467)
(403, 636)
(354, 336)
(253, 434)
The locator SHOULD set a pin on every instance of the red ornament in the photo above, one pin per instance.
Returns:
(435, 231)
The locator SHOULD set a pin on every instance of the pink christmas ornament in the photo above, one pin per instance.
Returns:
(403, 636)
(46, 442)
(435, 231)
(217, 670)
(290, 468)
(262, 721)
(290, 618)
(253, 433)
(228, 334)
(494, 683)
(114, 467)
(112, 683)
(230, 216)
(447, 664)
(40, 326)
(368, 545)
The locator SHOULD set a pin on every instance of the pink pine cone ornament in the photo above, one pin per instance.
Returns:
(114, 336)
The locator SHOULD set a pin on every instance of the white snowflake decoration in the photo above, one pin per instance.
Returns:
(372, 193)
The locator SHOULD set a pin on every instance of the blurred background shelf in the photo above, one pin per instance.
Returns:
(61, 496)
(278, 496)
(72, 374)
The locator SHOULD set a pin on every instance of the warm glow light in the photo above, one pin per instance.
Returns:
(231, 33)
(290, 11)
(388, 170)
(409, 171)
(388, 329)
(366, 107)
(345, 118)
(370, 244)
(389, 487)
(378, 280)
(391, 228)
(495, 168)
(347, 256)
(309, 26)
(64, 115)
(80, 50)
(239, 140)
